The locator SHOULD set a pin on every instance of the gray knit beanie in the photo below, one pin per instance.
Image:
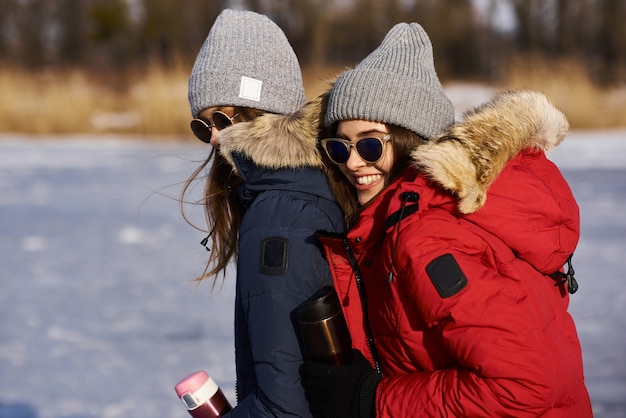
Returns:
(396, 84)
(247, 61)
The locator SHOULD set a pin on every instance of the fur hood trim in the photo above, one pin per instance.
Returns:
(276, 141)
(469, 155)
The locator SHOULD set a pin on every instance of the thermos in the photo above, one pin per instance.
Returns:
(323, 329)
(202, 396)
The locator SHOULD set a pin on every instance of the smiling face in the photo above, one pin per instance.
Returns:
(368, 179)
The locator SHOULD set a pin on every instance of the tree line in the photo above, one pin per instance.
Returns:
(470, 42)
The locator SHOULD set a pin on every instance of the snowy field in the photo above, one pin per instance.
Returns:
(99, 318)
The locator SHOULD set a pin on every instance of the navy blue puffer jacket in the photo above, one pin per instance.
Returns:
(280, 265)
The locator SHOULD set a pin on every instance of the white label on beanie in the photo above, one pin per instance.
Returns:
(250, 89)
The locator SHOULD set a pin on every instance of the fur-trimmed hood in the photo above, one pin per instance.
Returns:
(277, 141)
(493, 165)
(469, 155)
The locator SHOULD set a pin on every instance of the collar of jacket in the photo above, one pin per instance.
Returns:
(256, 179)
(384, 211)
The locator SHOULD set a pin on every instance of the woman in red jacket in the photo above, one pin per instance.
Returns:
(451, 276)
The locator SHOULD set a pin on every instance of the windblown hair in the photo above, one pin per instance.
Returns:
(221, 207)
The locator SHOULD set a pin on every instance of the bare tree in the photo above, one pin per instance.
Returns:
(72, 39)
(111, 34)
(7, 29)
(610, 39)
(31, 20)
(530, 27)
(105, 34)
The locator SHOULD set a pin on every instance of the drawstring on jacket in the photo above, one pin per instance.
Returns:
(567, 277)
(229, 190)
(405, 197)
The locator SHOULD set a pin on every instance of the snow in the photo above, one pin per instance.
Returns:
(99, 314)
(99, 317)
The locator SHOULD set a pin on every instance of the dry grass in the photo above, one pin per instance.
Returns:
(586, 105)
(47, 103)
(154, 101)
(318, 80)
(160, 101)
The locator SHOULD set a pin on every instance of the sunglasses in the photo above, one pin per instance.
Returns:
(202, 129)
(369, 149)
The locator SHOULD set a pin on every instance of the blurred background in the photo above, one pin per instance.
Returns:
(121, 66)
(99, 317)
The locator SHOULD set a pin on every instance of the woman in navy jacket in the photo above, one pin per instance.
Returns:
(264, 198)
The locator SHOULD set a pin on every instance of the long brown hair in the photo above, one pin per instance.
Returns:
(403, 142)
(221, 207)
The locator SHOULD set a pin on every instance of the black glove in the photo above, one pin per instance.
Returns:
(341, 391)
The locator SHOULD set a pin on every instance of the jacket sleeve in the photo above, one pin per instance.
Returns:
(511, 343)
(279, 267)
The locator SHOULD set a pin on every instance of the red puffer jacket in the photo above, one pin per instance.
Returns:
(452, 264)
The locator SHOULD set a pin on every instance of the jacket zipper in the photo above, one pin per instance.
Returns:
(363, 296)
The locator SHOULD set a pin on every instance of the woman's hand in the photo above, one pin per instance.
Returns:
(341, 391)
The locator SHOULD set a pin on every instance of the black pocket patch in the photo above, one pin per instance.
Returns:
(274, 256)
(446, 275)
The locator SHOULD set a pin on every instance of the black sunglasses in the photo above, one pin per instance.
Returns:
(202, 128)
(370, 149)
